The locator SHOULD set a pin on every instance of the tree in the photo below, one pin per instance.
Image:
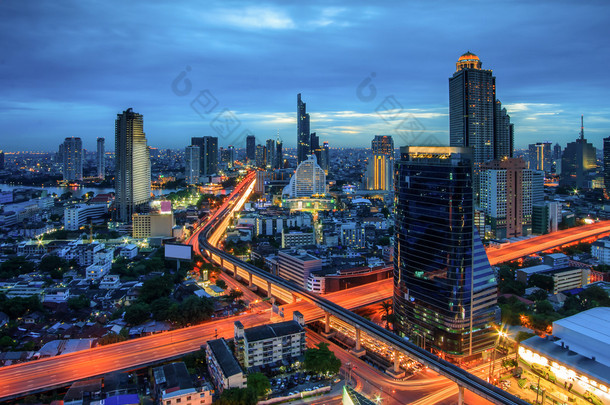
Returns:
(80, 302)
(137, 313)
(193, 310)
(16, 266)
(221, 283)
(386, 307)
(542, 281)
(155, 288)
(544, 307)
(259, 383)
(53, 265)
(235, 294)
(237, 396)
(163, 308)
(321, 360)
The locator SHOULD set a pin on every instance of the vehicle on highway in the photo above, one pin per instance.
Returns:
(594, 399)
(544, 371)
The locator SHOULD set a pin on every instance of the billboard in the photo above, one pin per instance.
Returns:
(178, 251)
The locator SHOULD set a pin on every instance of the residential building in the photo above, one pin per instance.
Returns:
(251, 147)
(132, 165)
(506, 197)
(600, 249)
(308, 180)
(556, 260)
(296, 239)
(270, 343)
(152, 224)
(325, 163)
(72, 159)
(208, 149)
(379, 173)
(546, 217)
(297, 265)
(223, 366)
(174, 385)
(261, 156)
(303, 131)
(351, 234)
(445, 290)
(192, 168)
(100, 158)
(57, 295)
(540, 157)
(606, 162)
(79, 215)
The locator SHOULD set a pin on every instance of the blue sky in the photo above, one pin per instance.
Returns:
(67, 68)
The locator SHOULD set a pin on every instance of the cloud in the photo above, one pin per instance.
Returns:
(253, 17)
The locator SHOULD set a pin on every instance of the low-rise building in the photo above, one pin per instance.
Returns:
(223, 366)
(56, 295)
(110, 281)
(295, 239)
(153, 224)
(173, 386)
(129, 251)
(600, 249)
(79, 215)
(266, 344)
(296, 266)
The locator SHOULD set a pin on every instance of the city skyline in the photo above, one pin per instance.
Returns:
(53, 88)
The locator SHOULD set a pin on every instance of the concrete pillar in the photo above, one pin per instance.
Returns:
(358, 351)
(250, 280)
(327, 332)
(460, 395)
(395, 370)
(269, 289)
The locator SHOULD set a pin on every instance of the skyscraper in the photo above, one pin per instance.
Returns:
(270, 150)
(303, 133)
(380, 168)
(193, 161)
(314, 144)
(1, 160)
(578, 159)
(308, 180)
(383, 145)
(444, 287)
(540, 156)
(101, 158)
(208, 149)
(251, 147)
(607, 163)
(476, 118)
(506, 197)
(261, 156)
(132, 173)
(73, 159)
(279, 154)
(325, 164)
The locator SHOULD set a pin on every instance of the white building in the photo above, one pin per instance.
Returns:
(296, 266)
(223, 366)
(193, 164)
(79, 215)
(175, 386)
(600, 249)
(56, 295)
(352, 234)
(266, 344)
(295, 239)
(308, 180)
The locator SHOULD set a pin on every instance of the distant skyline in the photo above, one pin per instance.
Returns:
(67, 69)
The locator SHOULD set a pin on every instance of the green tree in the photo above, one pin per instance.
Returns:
(16, 266)
(137, 313)
(321, 360)
(259, 383)
(80, 302)
(53, 265)
(386, 307)
(234, 294)
(237, 396)
(221, 283)
(163, 308)
(155, 288)
(542, 281)
(193, 310)
(544, 307)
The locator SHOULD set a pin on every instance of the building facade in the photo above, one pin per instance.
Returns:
(541, 157)
(100, 158)
(132, 167)
(296, 266)
(192, 156)
(250, 147)
(303, 131)
(444, 288)
(223, 366)
(307, 181)
(578, 159)
(79, 215)
(72, 159)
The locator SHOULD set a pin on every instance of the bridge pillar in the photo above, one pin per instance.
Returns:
(327, 332)
(395, 370)
(251, 285)
(358, 351)
(460, 394)
(268, 289)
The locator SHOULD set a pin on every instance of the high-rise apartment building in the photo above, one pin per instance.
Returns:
(325, 163)
(208, 149)
(132, 170)
(303, 132)
(314, 144)
(578, 159)
(251, 147)
(444, 288)
(1, 160)
(279, 155)
(607, 163)
(380, 167)
(476, 117)
(383, 145)
(100, 158)
(261, 156)
(506, 197)
(308, 180)
(541, 156)
(192, 155)
(72, 159)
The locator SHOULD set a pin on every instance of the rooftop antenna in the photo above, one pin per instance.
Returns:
(582, 128)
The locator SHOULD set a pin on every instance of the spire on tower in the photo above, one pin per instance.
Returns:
(582, 128)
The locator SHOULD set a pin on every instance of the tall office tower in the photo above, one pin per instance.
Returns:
(132, 167)
(303, 135)
(379, 173)
(606, 162)
(192, 155)
(270, 154)
(506, 197)
(308, 180)
(261, 156)
(314, 144)
(577, 160)
(476, 118)
(1, 160)
(279, 155)
(100, 156)
(537, 187)
(208, 148)
(73, 159)
(541, 156)
(504, 133)
(251, 147)
(383, 145)
(231, 155)
(557, 152)
(325, 164)
(444, 287)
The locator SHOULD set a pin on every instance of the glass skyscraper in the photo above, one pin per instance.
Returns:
(100, 156)
(132, 177)
(303, 133)
(444, 288)
(72, 159)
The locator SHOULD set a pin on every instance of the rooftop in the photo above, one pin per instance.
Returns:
(228, 363)
(271, 331)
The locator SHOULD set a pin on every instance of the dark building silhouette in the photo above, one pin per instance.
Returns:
(444, 288)
(208, 147)
(1, 160)
(607, 162)
(303, 131)
(251, 147)
(578, 160)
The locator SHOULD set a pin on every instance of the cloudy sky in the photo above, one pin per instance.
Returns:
(228, 68)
